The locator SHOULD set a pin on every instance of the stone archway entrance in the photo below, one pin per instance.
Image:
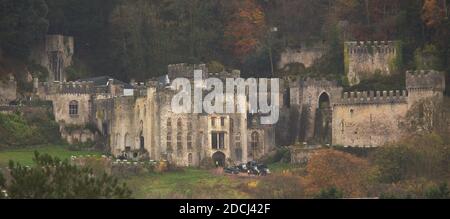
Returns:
(322, 132)
(219, 158)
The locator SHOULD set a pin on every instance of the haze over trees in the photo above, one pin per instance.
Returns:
(138, 38)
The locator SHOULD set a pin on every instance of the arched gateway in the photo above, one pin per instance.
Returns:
(219, 158)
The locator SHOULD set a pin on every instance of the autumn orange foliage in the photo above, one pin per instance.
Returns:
(330, 168)
(245, 28)
(432, 13)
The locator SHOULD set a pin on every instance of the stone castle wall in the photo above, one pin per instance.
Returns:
(369, 118)
(364, 59)
(306, 55)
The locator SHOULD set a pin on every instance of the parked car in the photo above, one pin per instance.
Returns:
(231, 170)
(242, 168)
(255, 168)
(263, 170)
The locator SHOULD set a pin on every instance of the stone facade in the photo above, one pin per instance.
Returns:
(365, 118)
(55, 54)
(142, 125)
(8, 90)
(306, 55)
(365, 59)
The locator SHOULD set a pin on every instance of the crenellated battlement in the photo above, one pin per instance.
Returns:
(361, 47)
(73, 87)
(184, 70)
(225, 74)
(313, 82)
(425, 79)
(373, 97)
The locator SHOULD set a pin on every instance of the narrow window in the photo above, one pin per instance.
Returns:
(189, 140)
(169, 135)
(221, 140)
(190, 159)
(179, 142)
(214, 143)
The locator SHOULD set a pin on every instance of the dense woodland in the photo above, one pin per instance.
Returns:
(138, 38)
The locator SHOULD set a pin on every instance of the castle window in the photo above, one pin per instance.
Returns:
(351, 111)
(169, 135)
(189, 126)
(73, 108)
(213, 121)
(237, 140)
(190, 159)
(217, 140)
(254, 144)
(222, 121)
(189, 140)
(179, 124)
(179, 142)
(231, 125)
(238, 152)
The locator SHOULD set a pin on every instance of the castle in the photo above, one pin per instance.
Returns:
(365, 59)
(136, 121)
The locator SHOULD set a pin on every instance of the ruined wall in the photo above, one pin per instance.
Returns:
(305, 55)
(364, 59)
(78, 136)
(368, 118)
(424, 84)
(8, 91)
(54, 53)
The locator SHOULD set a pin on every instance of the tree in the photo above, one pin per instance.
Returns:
(22, 23)
(245, 28)
(432, 13)
(419, 156)
(53, 178)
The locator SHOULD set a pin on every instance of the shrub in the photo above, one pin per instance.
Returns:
(419, 156)
(330, 168)
(53, 178)
(329, 193)
(277, 187)
(33, 129)
(438, 192)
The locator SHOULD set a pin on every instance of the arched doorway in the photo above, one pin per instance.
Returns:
(322, 132)
(219, 158)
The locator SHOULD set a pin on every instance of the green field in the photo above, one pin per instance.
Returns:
(187, 183)
(196, 184)
(25, 155)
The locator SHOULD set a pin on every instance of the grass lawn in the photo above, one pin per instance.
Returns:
(25, 155)
(188, 183)
(196, 184)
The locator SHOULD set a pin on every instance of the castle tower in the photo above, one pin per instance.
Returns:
(424, 84)
(365, 59)
(55, 54)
